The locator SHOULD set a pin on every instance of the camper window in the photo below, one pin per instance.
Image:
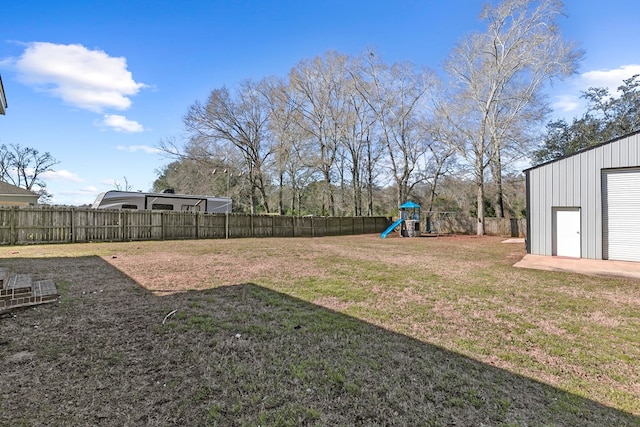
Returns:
(129, 206)
(161, 207)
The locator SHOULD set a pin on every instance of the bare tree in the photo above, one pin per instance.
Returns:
(122, 186)
(241, 122)
(320, 87)
(501, 73)
(460, 129)
(359, 124)
(285, 138)
(190, 176)
(192, 166)
(396, 95)
(24, 166)
(438, 164)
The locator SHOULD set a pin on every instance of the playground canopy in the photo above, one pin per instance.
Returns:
(409, 205)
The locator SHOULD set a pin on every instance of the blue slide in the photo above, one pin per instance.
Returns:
(391, 228)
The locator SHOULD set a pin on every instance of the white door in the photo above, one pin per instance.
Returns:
(567, 232)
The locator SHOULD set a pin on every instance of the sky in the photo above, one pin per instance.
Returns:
(99, 83)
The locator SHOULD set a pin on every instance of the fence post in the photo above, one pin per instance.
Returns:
(273, 226)
(121, 218)
(12, 226)
(73, 222)
(162, 225)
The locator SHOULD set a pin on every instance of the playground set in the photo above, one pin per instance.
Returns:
(408, 222)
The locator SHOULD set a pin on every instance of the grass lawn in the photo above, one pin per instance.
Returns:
(333, 331)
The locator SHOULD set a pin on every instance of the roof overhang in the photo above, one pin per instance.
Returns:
(592, 147)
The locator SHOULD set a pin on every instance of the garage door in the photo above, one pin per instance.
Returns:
(621, 214)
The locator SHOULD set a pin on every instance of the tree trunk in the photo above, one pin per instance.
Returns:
(332, 204)
(281, 194)
(480, 201)
(496, 171)
(480, 196)
(499, 198)
(357, 190)
(369, 179)
(294, 196)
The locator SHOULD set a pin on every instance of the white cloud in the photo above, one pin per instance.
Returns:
(134, 148)
(568, 104)
(610, 79)
(565, 103)
(88, 79)
(89, 190)
(77, 197)
(61, 175)
(121, 124)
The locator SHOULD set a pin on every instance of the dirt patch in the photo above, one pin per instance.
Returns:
(20, 357)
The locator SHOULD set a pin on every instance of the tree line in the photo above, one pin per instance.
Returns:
(353, 135)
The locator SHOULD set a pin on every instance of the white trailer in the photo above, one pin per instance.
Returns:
(167, 201)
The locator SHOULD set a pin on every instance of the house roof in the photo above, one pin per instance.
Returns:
(9, 189)
(3, 99)
(592, 147)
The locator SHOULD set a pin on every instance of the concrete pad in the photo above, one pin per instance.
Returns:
(514, 240)
(593, 267)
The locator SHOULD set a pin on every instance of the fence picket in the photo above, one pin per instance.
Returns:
(30, 225)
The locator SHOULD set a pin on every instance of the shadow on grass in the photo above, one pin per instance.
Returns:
(113, 353)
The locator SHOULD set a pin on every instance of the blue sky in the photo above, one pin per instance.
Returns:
(99, 83)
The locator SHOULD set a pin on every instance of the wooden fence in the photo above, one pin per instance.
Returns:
(38, 225)
(461, 224)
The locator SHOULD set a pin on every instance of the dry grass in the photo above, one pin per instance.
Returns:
(326, 331)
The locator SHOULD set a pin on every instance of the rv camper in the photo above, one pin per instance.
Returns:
(167, 201)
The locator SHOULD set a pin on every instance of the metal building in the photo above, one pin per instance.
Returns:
(587, 205)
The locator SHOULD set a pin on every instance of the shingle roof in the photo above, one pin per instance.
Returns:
(6, 188)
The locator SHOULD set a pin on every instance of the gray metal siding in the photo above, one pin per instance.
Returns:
(575, 181)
